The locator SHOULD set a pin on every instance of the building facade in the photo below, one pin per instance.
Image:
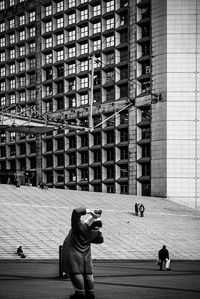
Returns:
(145, 88)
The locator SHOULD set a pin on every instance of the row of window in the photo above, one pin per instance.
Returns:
(61, 5)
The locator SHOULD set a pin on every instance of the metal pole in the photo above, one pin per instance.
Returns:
(91, 93)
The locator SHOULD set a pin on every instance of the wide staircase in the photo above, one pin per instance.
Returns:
(39, 220)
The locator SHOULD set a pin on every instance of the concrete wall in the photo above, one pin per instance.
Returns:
(181, 28)
(159, 109)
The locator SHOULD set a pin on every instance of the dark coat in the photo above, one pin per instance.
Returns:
(76, 253)
(163, 254)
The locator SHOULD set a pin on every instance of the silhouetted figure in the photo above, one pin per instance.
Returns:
(20, 252)
(141, 210)
(163, 257)
(136, 209)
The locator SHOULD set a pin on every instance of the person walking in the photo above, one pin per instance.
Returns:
(136, 209)
(163, 257)
(141, 210)
(76, 252)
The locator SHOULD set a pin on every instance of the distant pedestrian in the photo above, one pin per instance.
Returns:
(136, 209)
(163, 258)
(141, 210)
(20, 252)
(76, 253)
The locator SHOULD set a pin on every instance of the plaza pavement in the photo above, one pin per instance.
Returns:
(40, 219)
(38, 279)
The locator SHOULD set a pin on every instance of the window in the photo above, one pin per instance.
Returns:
(2, 71)
(60, 22)
(12, 69)
(71, 35)
(12, 83)
(124, 91)
(123, 189)
(72, 84)
(96, 10)
(2, 42)
(48, 42)
(59, 6)
(21, 20)
(21, 1)
(72, 3)
(12, 2)
(22, 81)
(110, 137)
(2, 86)
(12, 53)
(12, 23)
(48, 26)
(97, 174)
(111, 154)
(84, 174)
(110, 23)
(12, 38)
(2, 56)
(32, 32)
(60, 71)
(48, 10)
(110, 41)
(22, 51)
(97, 27)
(49, 74)
(32, 63)
(32, 94)
(60, 103)
(123, 136)
(12, 136)
(124, 153)
(110, 94)
(32, 47)
(84, 48)
(2, 137)
(84, 65)
(32, 78)
(2, 27)
(60, 39)
(72, 51)
(48, 90)
(110, 5)
(60, 55)
(72, 19)
(110, 76)
(12, 99)
(97, 156)
(2, 152)
(84, 82)
(97, 45)
(84, 158)
(22, 96)
(84, 99)
(124, 171)
(84, 31)
(32, 16)
(48, 58)
(22, 35)
(110, 172)
(71, 68)
(72, 102)
(84, 14)
(49, 106)
(2, 5)
(60, 87)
